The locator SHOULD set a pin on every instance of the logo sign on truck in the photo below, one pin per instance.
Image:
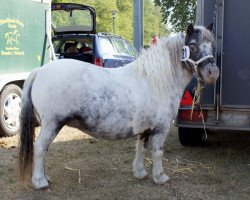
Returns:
(12, 32)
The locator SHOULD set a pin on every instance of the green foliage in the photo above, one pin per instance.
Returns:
(124, 17)
(152, 22)
(179, 13)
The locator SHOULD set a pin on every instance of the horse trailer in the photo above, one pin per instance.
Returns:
(226, 104)
(24, 45)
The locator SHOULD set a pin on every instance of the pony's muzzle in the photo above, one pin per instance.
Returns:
(210, 74)
(214, 72)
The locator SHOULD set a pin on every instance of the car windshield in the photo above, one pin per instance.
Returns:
(72, 20)
(117, 46)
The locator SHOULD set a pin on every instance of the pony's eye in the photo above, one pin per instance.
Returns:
(192, 48)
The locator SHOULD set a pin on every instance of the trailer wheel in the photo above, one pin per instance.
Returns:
(190, 136)
(10, 99)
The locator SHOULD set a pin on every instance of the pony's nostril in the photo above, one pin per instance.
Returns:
(209, 71)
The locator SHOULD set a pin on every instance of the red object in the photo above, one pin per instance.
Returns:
(84, 49)
(185, 115)
(187, 99)
(58, 7)
(98, 62)
(154, 40)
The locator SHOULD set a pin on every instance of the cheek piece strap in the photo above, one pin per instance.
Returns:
(195, 65)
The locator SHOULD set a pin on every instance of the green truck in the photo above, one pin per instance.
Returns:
(25, 40)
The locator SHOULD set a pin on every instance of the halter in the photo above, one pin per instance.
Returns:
(200, 85)
(195, 65)
(186, 58)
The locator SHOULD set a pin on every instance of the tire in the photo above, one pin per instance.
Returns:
(10, 99)
(190, 136)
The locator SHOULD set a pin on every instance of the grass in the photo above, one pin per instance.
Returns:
(82, 167)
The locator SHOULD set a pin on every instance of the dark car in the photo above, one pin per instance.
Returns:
(75, 37)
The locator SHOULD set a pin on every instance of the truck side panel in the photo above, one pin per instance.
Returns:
(23, 42)
(231, 108)
(236, 51)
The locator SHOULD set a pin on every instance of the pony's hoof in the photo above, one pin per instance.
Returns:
(140, 174)
(161, 179)
(40, 183)
(48, 178)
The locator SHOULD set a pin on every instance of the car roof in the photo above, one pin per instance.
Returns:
(102, 34)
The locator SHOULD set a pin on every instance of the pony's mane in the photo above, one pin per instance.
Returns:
(160, 63)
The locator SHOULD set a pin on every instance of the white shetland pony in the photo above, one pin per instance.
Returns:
(141, 98)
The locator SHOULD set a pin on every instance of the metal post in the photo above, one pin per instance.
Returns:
(113, 20)
(200, 13)
(113, 24)
(219, 43)
(48, 34)
(141, 22)
(138, 24)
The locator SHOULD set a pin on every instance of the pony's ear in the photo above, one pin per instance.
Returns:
(210, 27)
(190, 29)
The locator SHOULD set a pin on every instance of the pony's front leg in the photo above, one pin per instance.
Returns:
(158, 139)
(141, 147)
(47, 135)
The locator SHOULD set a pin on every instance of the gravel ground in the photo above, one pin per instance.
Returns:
(81, 167)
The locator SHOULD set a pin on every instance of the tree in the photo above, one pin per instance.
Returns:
(152, 22)
(177, 13)
(103, 12)
(124, 17)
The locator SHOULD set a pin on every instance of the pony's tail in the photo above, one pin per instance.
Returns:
(27, 128)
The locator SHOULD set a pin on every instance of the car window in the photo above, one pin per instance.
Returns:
(117, 46)
(55, 43)
(121, 46)
(66, 45)
(132, 51)
(106, 46)
(61, 46)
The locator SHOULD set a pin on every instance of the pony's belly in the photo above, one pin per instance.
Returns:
(104, 132)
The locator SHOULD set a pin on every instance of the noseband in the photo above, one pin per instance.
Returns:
(186, 58)
(195, 65)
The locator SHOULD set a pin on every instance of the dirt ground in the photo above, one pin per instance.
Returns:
(81, 167)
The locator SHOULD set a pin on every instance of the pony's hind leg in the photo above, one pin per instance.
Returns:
(48, 133)
(158, 139)
(141, 147)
